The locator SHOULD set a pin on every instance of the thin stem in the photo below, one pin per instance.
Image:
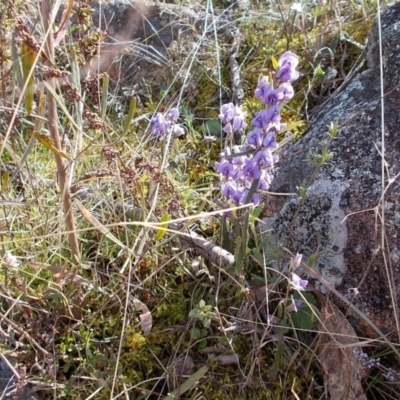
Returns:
(62, 170)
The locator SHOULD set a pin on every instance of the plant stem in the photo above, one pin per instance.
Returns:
(62, 170)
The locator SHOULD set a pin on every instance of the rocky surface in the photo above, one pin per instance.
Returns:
(10, 387)
(340, 219)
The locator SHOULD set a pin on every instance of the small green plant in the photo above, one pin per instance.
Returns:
(203, 313)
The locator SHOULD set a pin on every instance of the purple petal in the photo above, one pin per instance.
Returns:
(262, 88)
(173, 114)
(254, 137)
(272, 97)
(288, 58)
(287, 74)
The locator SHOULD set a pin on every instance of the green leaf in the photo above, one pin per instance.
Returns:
(212, 127)
(210, 314)
(304, 318)
(257, 211)
(196, 334)
(275, 63)
(162, 230)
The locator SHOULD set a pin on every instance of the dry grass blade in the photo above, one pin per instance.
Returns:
(342, 369)
(97, 224)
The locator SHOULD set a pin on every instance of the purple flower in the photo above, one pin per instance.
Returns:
(160, 125)
(229, 188)
(255, 137)
(239, 196)
(297, 260)
(228, 128)
(272, 97)
(173, 114)
(238, 161)
(298, 283)
(225, 168)
(265, 180)
(227, 112)
(269, 140)
(252, 170)
(287, 64)
(226, 152)
(297, 305)
(263, 158)
(233, 116)
(286, 90)
(287, 74)
(262, 88)
(238, 122)
(294, 306)
(267, 118)
(255, 199)
(288, 59)
(275, 117)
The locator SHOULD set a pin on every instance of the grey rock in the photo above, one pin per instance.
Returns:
(339, 218)
(145, 39)
(10, 389)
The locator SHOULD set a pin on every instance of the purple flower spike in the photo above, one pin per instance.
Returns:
(240, 172)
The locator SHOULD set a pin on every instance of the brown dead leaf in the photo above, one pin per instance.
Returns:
(146, 319)
(343, 373)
